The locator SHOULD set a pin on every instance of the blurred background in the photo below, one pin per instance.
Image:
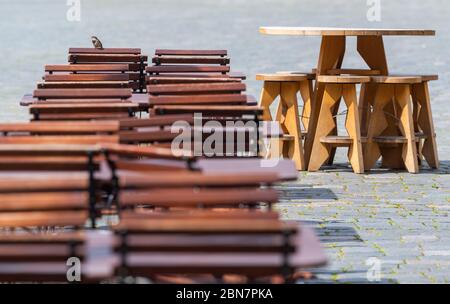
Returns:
(35, 33)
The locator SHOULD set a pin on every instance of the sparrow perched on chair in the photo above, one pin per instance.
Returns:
(97, 43)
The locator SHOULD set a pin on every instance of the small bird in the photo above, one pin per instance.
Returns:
(97, 43)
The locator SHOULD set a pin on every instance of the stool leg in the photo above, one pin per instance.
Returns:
(402, 98)
(325, 125)
(269, 92)
(392, 156)
(292, 122)
(355, 154)
(377, 124)
(425, 121)
(306, 91)
(335, 111)
(417, 129)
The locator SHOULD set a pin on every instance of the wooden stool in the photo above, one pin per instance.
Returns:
(337, 88)
(287, 86)
(399, 141)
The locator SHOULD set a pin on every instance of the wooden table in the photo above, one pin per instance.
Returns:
(370, 47)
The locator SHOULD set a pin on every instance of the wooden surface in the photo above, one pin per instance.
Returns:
(330, 31)
(283, 77)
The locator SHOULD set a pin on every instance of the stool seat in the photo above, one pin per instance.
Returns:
(397, 79)
(340, 141)
(343, 79)
(311, 75)
(282, 77)
(423, 77)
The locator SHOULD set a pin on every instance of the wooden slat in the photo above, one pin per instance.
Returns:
(195, 197)
(200, 214)
(82, 93)
(57, 238)
(73, 149)
(56, 218)
(188, 179)
(161, 52)
(82, 116)
(206, 226)
(211, 88)
(87, 77)
(62, 127)
(63, 139)
(26, 182)
(187, 69)
(156, 79)
(232, 99)
(109, 107)
(41, 201)
(78, 58)
(141, 151)
(208, 109)
(156, 121)
(87, 68)
(83, 85)
(105, 50)
(190, 60)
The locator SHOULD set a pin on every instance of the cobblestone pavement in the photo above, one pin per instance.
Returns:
(399, 218)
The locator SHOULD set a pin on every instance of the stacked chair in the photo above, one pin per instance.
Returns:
(132, 59)
(89, 178)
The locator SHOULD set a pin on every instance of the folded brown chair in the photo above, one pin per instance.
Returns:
(217, 243)
(136, 61)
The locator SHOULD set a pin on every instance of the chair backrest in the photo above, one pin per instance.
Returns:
(190, 133)
(131, 56)
(46, 199)
(82, 104)
(40, 257)
(133, 73)
(194, 190)
(192, 64)
(67, 146)
(215, 243)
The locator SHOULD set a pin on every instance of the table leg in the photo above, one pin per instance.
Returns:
(332, 51)
(330, 160)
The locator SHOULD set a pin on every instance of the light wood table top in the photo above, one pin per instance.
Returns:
(330, 31)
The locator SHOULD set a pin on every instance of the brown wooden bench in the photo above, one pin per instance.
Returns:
(216, 243)
(131, 56)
